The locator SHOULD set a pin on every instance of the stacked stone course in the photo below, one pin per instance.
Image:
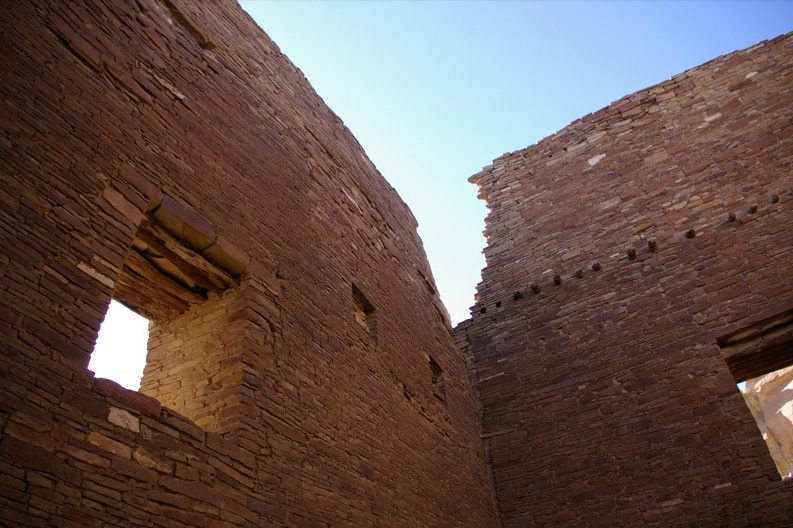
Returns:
(165, 153)
(623, 252)
(302, 371)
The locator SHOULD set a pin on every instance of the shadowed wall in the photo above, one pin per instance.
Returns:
(168, 155)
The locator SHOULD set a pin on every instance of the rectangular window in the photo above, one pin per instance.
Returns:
(365, 313)
(438, 381)
(183, 280)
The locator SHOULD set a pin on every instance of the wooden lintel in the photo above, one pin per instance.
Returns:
(202, 272)
(151, 276)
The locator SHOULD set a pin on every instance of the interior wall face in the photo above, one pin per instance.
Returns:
(623, 252)
(167, 154)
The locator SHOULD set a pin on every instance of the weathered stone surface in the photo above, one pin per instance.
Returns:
(311, 379)
(167, 154)
(606, 399)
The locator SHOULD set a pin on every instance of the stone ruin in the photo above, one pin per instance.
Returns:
(638, 267)
(302, 370)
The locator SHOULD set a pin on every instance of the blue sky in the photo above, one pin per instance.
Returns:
(434, 91)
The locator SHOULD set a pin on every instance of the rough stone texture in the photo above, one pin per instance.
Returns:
(302, 371)
(165, 153)
(625, 255)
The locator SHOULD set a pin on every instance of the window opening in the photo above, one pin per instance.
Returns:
(438, 381)
(760, 358)
(120, 351)
(365, 313)
(175, 262)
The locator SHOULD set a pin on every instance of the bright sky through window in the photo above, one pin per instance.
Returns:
(120, 351)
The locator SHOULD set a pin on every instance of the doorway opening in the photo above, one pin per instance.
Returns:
(770, 398)
(760, 358)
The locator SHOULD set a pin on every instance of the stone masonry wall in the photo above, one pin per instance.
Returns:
(628, 256)
(301, 371)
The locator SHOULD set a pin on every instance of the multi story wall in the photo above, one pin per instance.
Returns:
(301, 371)
(638, 266)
